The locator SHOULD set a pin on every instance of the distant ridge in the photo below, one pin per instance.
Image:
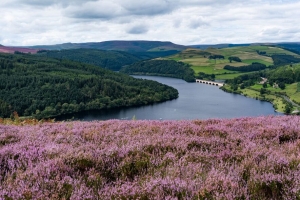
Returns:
(4, 49)
(119, 45)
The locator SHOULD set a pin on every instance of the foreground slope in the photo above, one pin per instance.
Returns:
(247, 158)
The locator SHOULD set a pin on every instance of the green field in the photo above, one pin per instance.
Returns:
(200, 62)
(228, 76)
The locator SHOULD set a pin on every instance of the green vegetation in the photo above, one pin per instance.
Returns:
(42, 87)
(160, 67)
(280, 60)
(247, 68)
(280, 86)
(112, 60)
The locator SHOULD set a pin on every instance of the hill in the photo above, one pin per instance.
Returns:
(112, 60)
(161, 67)
(135, 46)
(42, 87)
(291, 46)
(247, 158)
(4, 49)
(204, 61)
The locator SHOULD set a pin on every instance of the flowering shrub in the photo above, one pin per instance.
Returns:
(246, 158)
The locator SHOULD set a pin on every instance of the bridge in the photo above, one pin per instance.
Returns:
(210, 82)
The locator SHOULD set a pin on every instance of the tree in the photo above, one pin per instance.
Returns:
(265, 85)
(281, 85)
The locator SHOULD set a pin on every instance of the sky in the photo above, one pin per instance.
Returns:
(186, 22)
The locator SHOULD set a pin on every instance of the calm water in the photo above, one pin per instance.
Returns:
(196, 101)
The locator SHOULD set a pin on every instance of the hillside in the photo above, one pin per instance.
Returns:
(161, 67)
(135, 46)
(112, 60)
(292, 46)
(247, 158)
(42, 87)
(201, 60)
(280, 86)
(4, 49)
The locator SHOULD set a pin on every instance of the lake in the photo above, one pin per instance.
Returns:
(196, 101)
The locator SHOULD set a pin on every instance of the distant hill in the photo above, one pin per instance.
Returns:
(112, 60)
(292, 46)
(4, 49)
(205, 46)
(135, 46)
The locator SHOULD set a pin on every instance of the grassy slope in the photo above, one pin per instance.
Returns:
(200, 62)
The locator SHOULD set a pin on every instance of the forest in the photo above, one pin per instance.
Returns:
(280, 60)
(248, 68)
(44, 87)
(168, 68)
(112, 60)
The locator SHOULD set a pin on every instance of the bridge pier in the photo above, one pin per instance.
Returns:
(210, 82)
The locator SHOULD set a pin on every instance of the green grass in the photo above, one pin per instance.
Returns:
(228, 76)
(277, 102)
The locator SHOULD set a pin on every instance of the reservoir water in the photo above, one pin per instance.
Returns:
(196, 101)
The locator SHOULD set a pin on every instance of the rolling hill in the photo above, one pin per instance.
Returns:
(201, 62)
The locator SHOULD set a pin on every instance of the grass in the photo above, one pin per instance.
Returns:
(228, 76)
(277, 102)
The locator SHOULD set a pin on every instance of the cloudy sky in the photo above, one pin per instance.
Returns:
(35, 22)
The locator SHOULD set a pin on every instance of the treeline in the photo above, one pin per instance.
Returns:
(248, 68)
(112, 60)
(234, 58)
(284, 74)
(245, 80)
(280, 60)
(203, 76)
(169, 68)
(42, 88)
(216, 57)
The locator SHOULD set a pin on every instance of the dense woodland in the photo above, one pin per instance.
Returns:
(112, 60)
(216, 57)
(248, 68)
(280, 60)
(169, 68)
(43, 87)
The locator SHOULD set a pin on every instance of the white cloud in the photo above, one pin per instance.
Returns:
(31, 22)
